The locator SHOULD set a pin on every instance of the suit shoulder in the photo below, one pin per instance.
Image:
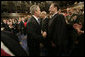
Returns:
(30, 21)
(61, 15)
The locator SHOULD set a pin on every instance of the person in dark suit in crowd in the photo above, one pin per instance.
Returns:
(16, 26)
(57, 39)
(34, 35)
(44, 27)
(79, 37)
(5, 25)
(45, 21)
(21, 25)
(12, 44)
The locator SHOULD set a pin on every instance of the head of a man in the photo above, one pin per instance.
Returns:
(43, 14)
(54, 7)
(35, 10)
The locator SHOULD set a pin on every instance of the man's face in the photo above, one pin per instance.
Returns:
(52, 9)
(38, 12)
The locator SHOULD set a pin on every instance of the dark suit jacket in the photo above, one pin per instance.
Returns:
(57, 30)
(45, 24)
(21, 26)
(33, 33)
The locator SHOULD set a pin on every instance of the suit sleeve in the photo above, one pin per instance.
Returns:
(31, 31)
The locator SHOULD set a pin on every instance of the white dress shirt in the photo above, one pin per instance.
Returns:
(54, 14)
(36, 19)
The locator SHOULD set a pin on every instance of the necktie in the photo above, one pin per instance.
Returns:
(39, 21)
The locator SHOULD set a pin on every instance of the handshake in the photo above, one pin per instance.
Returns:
(44, 34)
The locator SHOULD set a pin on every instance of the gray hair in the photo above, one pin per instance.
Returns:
(33, 8)
(43, 12)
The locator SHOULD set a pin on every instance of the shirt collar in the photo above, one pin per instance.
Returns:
(35, 17)
(54, 13)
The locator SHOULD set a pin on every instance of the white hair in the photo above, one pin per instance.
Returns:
(33, 8)
(43, 12)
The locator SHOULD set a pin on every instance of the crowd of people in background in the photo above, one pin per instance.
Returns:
(74, 25)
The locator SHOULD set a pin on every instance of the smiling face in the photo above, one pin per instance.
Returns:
(52, 9)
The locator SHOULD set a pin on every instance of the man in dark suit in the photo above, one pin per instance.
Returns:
(56, 32)
(78, 34)
(44, 27)
(34, 35)
(45, 21)
(21, 26)
(5, 25)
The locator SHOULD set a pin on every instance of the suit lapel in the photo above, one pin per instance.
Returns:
(51, 20)
(35, 21)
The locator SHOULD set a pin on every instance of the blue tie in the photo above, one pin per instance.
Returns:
(39, 21)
